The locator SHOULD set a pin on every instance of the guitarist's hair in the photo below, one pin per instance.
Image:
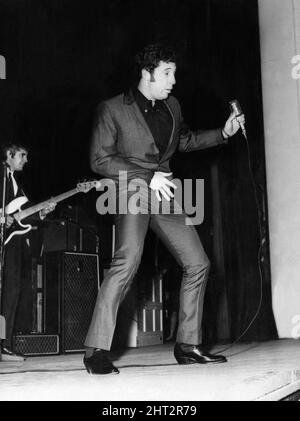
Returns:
(11, 147)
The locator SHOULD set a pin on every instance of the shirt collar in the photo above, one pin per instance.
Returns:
(9, 171)
(143, 102)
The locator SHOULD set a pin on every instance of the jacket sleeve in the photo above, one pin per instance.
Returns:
(195, 140)
(104, 157)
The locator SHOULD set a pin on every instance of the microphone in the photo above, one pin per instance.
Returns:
(236, 108)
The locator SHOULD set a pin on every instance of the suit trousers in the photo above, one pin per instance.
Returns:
(11, 285)
(184, 244)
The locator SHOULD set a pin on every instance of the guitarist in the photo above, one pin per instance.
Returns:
(15, 156)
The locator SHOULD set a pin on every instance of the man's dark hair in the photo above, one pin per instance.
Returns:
(11, 147)
(150, 56)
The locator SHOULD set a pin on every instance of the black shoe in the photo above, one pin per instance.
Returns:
(7, 355)
(99, 363)
(192, 354)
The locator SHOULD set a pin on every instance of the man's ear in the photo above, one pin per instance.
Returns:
(9, 155)
(146, 75)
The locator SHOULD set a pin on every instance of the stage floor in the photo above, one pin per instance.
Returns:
(254, 371)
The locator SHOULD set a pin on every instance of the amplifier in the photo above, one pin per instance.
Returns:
(71, 283)
(34, 344)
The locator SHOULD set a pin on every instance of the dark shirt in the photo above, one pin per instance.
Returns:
(158, 118)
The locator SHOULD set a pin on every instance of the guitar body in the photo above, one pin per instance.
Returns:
(15, 205)
(17, 228)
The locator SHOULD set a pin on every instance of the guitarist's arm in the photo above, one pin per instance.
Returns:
(39, 215)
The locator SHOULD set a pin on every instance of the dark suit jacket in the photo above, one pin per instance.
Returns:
(122, 140)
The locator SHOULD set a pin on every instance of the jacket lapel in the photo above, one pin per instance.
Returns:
(173, 129)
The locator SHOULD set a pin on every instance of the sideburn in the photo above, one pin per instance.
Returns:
(152, 78)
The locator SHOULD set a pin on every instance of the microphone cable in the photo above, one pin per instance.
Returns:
(259, 257)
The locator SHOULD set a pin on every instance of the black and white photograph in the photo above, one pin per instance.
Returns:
(150, 203)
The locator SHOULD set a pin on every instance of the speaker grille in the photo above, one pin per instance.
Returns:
(80, 288)
(36, 344)
(71, 288)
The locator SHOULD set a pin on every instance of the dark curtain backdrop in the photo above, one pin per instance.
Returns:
(64, 56)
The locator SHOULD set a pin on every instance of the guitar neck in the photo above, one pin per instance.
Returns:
(36, 208)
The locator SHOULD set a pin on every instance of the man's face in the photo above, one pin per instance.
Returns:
(17, 162)
(162, 80)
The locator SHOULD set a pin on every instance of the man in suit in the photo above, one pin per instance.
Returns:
(135, 135)
(14, 157)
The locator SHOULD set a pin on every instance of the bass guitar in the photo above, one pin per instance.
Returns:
(14, 208)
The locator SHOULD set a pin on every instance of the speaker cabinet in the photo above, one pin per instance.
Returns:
(35, 344)
(70, 287)
(60, 235)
